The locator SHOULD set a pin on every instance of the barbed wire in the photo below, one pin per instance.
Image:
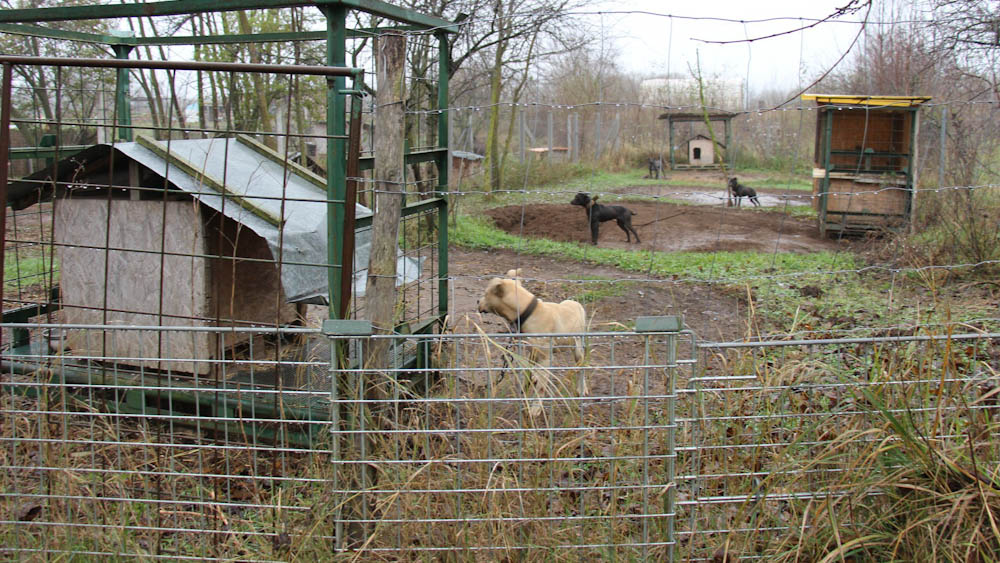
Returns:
(623, 193)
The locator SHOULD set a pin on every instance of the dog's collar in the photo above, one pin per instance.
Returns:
(519, 322)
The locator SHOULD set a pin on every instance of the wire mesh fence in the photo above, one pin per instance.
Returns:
(792, 443)
(482, 451)
(656, 447)
(507, 457)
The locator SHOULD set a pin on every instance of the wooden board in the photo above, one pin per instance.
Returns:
(123, 285)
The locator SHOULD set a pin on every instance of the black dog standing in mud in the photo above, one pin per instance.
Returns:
(597, 214)
(739, 191)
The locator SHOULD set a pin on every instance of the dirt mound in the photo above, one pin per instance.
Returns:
(670, 227)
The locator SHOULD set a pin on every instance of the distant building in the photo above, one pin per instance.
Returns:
(719, 93)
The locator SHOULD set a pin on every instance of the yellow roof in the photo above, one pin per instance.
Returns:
(880, 101)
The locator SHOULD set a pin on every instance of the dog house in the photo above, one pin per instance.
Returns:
(464, 165)
(185, 233)
(701, 151)
(865, 161)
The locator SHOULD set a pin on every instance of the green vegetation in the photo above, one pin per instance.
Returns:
(818, 291)
(696, 266)
(26, 269)
(596, 289)
(778, 280)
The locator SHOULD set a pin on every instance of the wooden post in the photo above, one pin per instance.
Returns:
(390, 52)
(550, 132)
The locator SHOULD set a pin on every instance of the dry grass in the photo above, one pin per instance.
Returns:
(840, 453)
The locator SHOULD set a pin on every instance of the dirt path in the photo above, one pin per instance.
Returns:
(711, 314)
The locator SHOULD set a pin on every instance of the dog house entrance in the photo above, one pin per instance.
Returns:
(697, 153)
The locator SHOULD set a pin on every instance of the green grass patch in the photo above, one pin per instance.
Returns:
(26, 269)
(598, 288)
(718, 266)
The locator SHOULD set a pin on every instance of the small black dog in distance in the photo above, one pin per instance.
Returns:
(740, 191)
(598, 213)
(655, 167)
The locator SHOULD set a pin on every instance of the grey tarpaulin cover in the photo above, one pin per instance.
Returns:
(241, 167)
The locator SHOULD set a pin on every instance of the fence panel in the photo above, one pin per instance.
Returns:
(505, 457)
(800, 448)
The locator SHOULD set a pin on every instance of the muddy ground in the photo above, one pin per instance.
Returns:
(712, 314)
(670, 227)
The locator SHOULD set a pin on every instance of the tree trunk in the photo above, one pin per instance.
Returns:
(380, 292)
(493, 169)
(260, 86)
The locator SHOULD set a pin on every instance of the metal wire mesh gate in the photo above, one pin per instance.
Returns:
(800, 448)
(504, 457)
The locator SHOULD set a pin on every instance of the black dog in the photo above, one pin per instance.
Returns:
(739, 190)
(597, 213)
(655, 165)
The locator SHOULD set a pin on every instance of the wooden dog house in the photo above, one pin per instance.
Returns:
(865, 161)
(190, 233)
(701, 152)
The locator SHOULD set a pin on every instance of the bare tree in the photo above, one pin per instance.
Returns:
(381, 286)
(49, 93)
(970, 29)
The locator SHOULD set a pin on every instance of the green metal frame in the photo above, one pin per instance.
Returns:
(24, 22)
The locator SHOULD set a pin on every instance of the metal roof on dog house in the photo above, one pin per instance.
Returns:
(186, 233)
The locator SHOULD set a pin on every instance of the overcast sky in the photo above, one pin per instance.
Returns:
(644, 38)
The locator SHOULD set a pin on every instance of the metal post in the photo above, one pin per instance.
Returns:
(520, 119)
(550, 134)
(597, 135)
(667, 327)
(444, 162)
(730, 152)
(569, 137)
(670, 141)
(824, 186)
(353, 170)
(942, 146)
(5, 105)
(911, 168)
(336, 179)
(124, 117)
(576, 136)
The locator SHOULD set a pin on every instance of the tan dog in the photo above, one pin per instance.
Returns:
(530, 315)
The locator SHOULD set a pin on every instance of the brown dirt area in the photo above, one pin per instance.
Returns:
(671, 227)
(711, 314)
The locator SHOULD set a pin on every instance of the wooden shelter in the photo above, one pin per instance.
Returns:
(706, 155)
(865, 161)
(464, 164)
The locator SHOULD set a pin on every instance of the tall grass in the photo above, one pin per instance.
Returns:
(958, 226)
(845, 452)
(880, 453)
